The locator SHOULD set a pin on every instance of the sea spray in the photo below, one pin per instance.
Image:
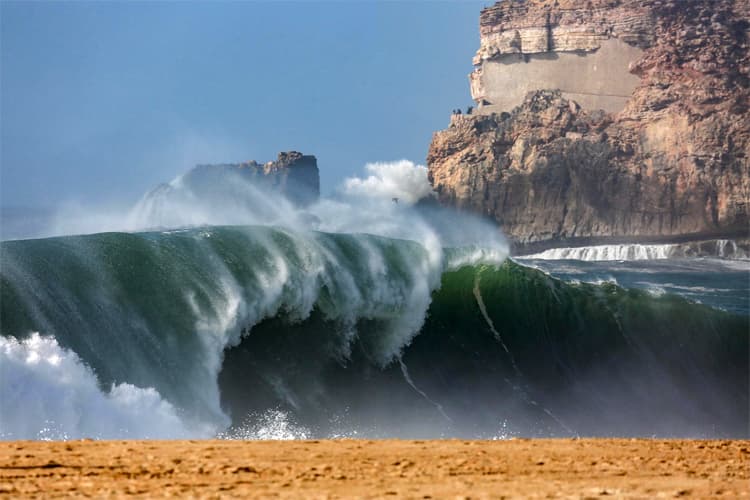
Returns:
(48, 393)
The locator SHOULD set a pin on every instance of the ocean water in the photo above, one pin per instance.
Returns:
(265, 331)
(720, 283)
(220, 310)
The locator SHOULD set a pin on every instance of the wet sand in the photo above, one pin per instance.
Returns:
(517, 468)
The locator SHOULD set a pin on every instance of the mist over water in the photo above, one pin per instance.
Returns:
(382, 202)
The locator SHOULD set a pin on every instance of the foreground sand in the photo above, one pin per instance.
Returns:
(578, 468)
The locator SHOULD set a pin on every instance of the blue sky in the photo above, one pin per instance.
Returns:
(101, 101)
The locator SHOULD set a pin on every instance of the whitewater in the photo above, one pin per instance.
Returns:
(232, 313)
(637, 251)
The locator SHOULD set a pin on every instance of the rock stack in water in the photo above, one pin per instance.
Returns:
(293, 174)
(605, 121)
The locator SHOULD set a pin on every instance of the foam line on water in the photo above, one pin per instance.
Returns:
(407, 377)
(483, 310)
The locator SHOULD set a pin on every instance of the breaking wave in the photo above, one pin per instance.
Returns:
(263, 332)
(714, 248)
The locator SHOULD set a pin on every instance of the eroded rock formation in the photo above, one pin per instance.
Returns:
(293, 174)
(671, 164)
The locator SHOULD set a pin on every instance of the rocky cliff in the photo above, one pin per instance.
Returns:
(577, 161)
(293, 174)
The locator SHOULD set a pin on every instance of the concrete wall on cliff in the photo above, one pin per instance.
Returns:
(597, 79)
(584, 52)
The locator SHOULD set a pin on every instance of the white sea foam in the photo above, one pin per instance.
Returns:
(729, 248)
(717, 248)
(402, 180)
(272, 424)
(606, 253)
(362, 205)
(600, 281)
(654, 290)
(687, 288)
(48, 393)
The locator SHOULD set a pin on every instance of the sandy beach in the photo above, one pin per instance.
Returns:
(516, 468)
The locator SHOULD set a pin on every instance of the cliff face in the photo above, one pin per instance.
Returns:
(582, 48)
(671, 163)
(293, 174)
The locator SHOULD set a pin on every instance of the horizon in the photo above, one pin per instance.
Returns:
(102, 102)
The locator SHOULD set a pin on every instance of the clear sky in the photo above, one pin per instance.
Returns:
(101, 101)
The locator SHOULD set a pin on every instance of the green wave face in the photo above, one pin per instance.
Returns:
(158, 309)
(510, 351)
(367, 336)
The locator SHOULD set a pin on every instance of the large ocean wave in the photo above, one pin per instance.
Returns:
(354, 316)
(256, 331)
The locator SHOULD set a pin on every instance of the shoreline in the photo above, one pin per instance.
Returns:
(514, 468)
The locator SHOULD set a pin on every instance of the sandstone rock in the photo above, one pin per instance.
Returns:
(671, 165)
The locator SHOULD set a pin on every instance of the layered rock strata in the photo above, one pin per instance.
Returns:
(671, 165)
(582, 48)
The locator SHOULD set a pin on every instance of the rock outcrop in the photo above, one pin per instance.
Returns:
(230, 193)
(670, 165)
(293, 174)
